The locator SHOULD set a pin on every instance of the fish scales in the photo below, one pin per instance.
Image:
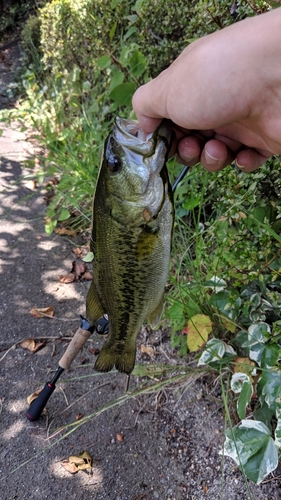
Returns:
(131, 239)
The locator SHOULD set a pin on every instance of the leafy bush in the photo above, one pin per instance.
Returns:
(166, 28)
(78, 33)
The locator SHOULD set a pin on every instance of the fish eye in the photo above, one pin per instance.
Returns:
(114, 163)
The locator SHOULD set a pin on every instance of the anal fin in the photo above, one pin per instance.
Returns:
(154, 316)
(94, 307)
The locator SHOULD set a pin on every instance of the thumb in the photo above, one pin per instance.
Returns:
(143, 105)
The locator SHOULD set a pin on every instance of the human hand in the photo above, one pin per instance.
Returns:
(223, 95)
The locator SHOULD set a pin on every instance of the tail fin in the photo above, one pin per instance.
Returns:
(108, 357)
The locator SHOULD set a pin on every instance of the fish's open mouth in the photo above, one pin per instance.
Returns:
(129, 134)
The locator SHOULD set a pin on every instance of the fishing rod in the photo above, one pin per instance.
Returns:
(79, 339)
(180, 178)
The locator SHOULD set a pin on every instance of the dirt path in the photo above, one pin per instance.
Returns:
(170, 449)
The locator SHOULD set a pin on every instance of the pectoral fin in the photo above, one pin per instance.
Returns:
(94, 307)
(147, 241)
(154, 317)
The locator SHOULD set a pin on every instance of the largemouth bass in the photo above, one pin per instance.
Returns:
(133, 216)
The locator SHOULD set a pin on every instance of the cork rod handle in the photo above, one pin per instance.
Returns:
(80, 338)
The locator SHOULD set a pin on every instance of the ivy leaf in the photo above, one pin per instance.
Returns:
(244, 399)
(253, 449)
(137, 5)
(237, 381)
(122, 94)
(86, 86)
(257, 333)
(269, 388)
(278, 429)
(256, 353)
(216, 283)
(224, 302)
(241, 383)
(264, 414)
(198, 329)
(215, 350)
(265, 355)
(270, 356)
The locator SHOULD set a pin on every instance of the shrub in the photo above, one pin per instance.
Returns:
(80, 32)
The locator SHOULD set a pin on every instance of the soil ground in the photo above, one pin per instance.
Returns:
(171, 439)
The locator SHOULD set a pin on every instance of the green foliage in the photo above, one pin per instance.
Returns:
(226, 263)
(31, 41)
(255, 443)
(165, 28)
(253, 449)
(81, 32)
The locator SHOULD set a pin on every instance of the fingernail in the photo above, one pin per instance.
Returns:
(188, 158)
(242, 167)
(210, 160)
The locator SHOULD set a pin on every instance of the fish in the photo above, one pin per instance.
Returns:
(132, 226)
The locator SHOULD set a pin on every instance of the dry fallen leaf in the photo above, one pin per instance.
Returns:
(147, 349)
(70, 467)
(82, 461)
(87, 276)
(63, 231)
(79, 271)
(66, 278)
(31, 184)
(95, 352)
(33, 396)
(244, 365)
(42, 312)
(77, 251)
(79, 416)
(31, 345)
(78, 268)
(49, 196)
(119, 437)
